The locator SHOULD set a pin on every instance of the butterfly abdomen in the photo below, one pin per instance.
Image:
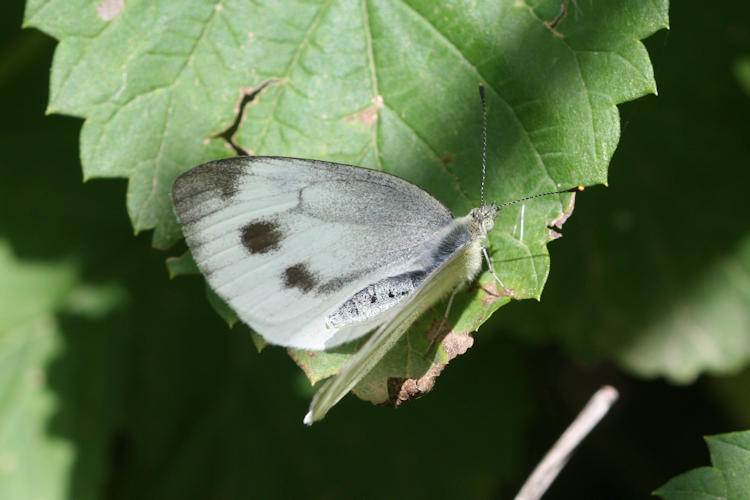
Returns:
(376, 298)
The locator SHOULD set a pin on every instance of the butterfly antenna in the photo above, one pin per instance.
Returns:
(484, 161)
(484, 140)
(571, 190)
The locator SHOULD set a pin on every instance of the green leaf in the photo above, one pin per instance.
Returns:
(701, 483)
(222, 308)
(729, 478)
(742, 73)
(730, 453)
(184, 264)
(162, 401)
(360, 83)
(33, 463)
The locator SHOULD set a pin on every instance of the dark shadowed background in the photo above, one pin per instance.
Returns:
(153, 396)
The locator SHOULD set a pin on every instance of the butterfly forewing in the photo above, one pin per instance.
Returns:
(286, 241)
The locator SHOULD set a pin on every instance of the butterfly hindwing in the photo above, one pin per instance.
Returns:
(463, 263)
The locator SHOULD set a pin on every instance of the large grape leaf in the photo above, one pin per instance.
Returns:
(358, 82)
(159, 400)
(728, 479)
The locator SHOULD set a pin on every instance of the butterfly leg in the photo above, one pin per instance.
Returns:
(448, 309)
(492, 269)
(438, 333)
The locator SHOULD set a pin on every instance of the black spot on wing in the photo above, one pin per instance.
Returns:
(261, 237)
(298, 276)
(336, 284)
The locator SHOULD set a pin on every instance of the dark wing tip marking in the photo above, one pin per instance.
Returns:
(222, 175)
(261, 237)
(227, 179)
(298, 276)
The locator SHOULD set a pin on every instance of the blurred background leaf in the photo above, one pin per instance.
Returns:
(147, 394)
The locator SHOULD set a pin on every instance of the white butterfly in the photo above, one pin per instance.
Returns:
(312, 254)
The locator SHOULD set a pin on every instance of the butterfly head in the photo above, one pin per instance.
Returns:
(483, 219)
